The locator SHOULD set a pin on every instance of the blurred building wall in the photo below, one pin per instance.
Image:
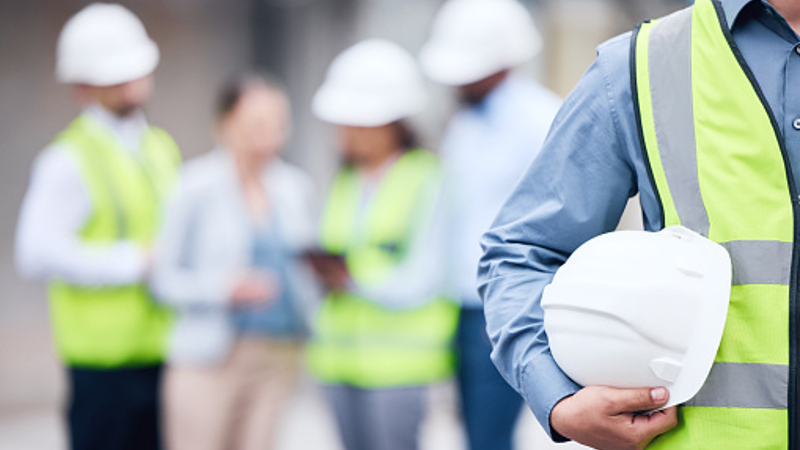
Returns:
(574, 28)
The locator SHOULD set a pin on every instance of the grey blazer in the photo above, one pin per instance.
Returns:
(205, 242)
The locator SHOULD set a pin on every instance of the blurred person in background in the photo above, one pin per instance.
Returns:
(87, 223)
(228, 262)
(474, 47)
(382, 334)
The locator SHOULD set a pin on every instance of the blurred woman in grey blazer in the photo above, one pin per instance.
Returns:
(229, 262)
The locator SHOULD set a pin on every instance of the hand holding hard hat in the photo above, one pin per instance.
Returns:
(607, 418)
(635, 309)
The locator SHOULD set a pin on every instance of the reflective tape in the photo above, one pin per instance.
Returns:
(760, 262)
(744, 385)
(670, 68)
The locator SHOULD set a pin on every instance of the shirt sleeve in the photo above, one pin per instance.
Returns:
(48, 245)
(177, 279)
(419, 277)
(576, 189)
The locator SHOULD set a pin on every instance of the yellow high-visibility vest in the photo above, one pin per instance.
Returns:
(116, 326)
(719, 166)
(357, 341)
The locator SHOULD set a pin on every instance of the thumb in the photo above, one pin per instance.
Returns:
(645, 399)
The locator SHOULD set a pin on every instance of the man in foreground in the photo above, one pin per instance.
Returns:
(697, 114)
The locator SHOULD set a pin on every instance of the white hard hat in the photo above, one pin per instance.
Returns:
(373, 83)
(634, 309)
(473, 39)
(103, 45)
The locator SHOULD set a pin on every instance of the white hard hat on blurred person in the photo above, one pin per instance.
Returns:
(473, 39)
(634, 309)
(373, 83)
(104, 44)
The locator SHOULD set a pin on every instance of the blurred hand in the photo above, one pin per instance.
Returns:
(335, 277)
(149, 259)
(608, 418)
(255, 289)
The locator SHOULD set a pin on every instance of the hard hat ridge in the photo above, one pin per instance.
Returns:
(636, 309)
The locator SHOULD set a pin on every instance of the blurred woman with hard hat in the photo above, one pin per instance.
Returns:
(228, 261)
(382, 335)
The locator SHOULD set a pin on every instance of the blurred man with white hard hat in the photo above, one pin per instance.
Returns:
(87, 222)
(475, 47)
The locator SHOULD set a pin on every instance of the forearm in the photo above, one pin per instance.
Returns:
(178, 277)
(576, 189)
(410, 286)
(48, 241)
(515, 325)
(419, 277)
(84, 264)
(184, 287)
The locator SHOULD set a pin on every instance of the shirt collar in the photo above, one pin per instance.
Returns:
(127, 129)
(735, 12)
(497, 95)
(732, 8)
(113, 121)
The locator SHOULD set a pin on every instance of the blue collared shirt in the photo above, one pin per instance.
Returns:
(591, 163)
(485, 152)
(281, 319)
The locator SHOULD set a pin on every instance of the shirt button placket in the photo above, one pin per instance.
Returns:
(791, 110)
(796, 121)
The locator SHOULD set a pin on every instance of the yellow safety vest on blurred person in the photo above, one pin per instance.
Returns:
(115, 326)
(357, 341)
(719, 167)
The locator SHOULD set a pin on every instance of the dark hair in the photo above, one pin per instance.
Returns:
(236, 87)
(407, 136)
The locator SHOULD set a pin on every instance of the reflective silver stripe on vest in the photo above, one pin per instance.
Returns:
(670, 67)
(760, 262)
(729, 385)
(742, 385)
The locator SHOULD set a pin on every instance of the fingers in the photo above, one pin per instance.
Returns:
(648, 427)
(605, 418)
(657, 422)
(256, 288)
(271, 284)
(636, 400)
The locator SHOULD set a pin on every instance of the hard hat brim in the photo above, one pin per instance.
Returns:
(346, 108)
(712, 315)
(453, 68)
(122, 68)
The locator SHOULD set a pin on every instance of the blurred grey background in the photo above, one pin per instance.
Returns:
(203, 42)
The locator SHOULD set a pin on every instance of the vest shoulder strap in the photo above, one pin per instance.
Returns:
(111, 175)
(387, 218)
